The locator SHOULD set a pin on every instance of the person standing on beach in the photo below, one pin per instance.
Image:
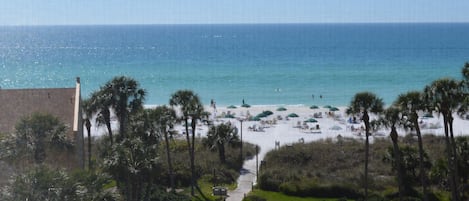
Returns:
(243, 101)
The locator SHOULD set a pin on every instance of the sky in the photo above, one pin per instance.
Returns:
(92, 12)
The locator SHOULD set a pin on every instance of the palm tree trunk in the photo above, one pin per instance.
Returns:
(107, 119)
(221, 152)
(170, 165)
(455, 155)
(190, 155)
(88, 129)
(366, 120)
(397, 155)
(454, 193)
(109, 130)
(122, 125)
(193, 125)
(421, 165)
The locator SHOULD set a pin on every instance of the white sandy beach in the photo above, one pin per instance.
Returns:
(278, 128)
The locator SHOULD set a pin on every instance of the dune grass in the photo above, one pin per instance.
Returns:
(276, 196)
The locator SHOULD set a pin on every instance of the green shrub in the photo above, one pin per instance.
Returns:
(311, 189)
(268, 183)
(254, 198)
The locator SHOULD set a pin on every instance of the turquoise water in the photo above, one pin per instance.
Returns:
(262, 64)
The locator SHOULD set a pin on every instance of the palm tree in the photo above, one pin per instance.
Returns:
(100, 105)
(364, 103)
(444, 96)
(220, 135)
(390, 119)
(409, 103)
(125, 98)
(465, 71)
(164, 119)
(191, 108)
(87, 115)
(39, 133)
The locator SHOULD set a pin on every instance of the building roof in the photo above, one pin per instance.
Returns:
(18, 103)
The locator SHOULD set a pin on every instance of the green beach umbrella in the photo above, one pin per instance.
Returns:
(327, 106)
(428, 115)
(335, 127)
(231, 107)
(267, 112)
(293, 115)
(281, 109)
(261, 115)
(333, 109)
(311, 120)
(246, 105)
(313, 107)
(230, 116)
(256, 118)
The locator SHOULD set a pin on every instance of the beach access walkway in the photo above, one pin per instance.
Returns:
(246, 180)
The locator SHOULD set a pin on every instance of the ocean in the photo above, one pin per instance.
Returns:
(264, 64)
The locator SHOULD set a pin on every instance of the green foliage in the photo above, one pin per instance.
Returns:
(410, 163)
(160, 194)
(312, 189)
(37, 135)
(254, 198)
(43, 183)
(329, 165)
(275, 196)
(220, 135)
(134, 164)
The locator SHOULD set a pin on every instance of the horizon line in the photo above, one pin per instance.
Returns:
(247, 23)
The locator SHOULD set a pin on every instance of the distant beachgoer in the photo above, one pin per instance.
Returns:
(211, 102)
(320, 96)
(243, 101)
(312, 96)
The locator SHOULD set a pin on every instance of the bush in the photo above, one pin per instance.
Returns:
(268, 183)
(311, 189)
(161, 195)
(254, 198)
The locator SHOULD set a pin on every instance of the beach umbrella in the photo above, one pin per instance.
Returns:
(261, 115)
(313, 107)
(335, 127)
(246, 105)
(332, 109)
(231, 107)
(256, 118)
(267, 112)
(293, 115)
(428, 115)
(229, 116)
(311, 120)
(327, 106)
(281, 109)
